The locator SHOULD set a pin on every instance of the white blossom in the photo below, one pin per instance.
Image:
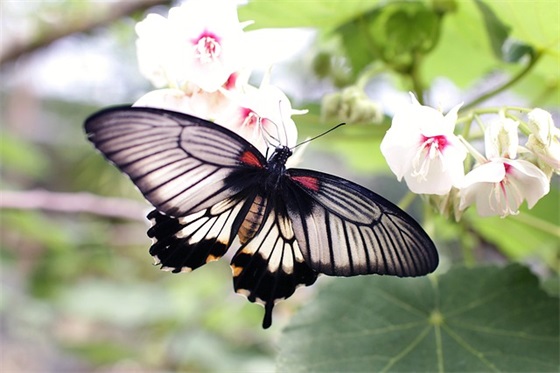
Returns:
(421, 147)
(262, 116)
(544, 141)
(200, 42)
(500, 184)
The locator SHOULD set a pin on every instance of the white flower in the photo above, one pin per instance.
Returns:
(191, 99)
(262, 116)
(499, 186)
(541, 125)
(167, 98)
(201, 42)
(501, 138)
(544, 140)
(421, 147)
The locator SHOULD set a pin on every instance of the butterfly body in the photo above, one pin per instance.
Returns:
(213, 190)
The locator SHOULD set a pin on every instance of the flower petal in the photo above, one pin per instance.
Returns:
(531, 181)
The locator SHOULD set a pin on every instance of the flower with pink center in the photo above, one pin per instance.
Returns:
(499, 185)
(200, 42)
(421, 147)
(262, 116)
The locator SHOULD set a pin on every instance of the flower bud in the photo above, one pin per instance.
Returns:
(541, 125)
(351, 105)
(501, 138)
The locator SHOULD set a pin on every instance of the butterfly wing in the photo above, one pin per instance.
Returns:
(270, 266)
(344, 229)
(186, 243)
(180, 163)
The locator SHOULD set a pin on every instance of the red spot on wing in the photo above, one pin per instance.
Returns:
(250, 159)
(308, 182)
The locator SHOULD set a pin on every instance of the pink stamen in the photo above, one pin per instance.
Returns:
(250, 118)
(207, 47)
(438, 142)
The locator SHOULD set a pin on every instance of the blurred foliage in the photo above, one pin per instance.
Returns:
(78, 291)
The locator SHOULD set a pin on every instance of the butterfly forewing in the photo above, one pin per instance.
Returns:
(177, 161)
(344, 229)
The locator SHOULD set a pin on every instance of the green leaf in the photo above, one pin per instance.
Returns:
(464, 53)
(468, 320)
(287, 13)
(496, 29)
(21, 157)
(396, 33)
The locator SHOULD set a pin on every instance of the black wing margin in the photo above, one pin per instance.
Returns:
(344, 229)
(180, 163)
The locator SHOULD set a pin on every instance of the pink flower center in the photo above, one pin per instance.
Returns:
(430, 148)
(207, 47)
(435, 143)
(250, 118)
(506, 196)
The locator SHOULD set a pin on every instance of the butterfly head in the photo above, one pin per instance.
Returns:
(279, 158)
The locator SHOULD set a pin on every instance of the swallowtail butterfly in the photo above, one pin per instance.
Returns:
(212, 189)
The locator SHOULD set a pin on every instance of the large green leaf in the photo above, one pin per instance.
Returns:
(465, 53)
(482, 319)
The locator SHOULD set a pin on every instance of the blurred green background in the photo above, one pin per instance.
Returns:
(79, 292)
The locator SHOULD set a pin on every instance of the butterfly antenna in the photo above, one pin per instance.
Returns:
(319, 135)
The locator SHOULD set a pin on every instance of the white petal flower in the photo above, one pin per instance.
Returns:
(544, 140)
(501, 138)
(262, 116)
(499, 186)
(541, 125)
(421, 147)
(166, 98)
(201, 42)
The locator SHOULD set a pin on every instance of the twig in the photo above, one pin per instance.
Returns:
(44, 37)
(74, 203)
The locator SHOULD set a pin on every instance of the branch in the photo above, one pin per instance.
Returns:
(74, 203)
(49, 33)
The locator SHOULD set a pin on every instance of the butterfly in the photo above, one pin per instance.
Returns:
(212, 189)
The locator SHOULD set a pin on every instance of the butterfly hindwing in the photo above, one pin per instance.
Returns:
(186, 243)
(270, 266)
(344, 229)
(179, 162)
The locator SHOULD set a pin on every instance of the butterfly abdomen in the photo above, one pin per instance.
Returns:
(253, 220)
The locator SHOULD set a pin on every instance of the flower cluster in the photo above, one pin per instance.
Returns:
(422, 146)
(198, 58)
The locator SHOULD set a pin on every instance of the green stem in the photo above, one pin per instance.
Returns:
(507, 84)
(417, 86)
(406, 200)
(368, 74)
(537, 223)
